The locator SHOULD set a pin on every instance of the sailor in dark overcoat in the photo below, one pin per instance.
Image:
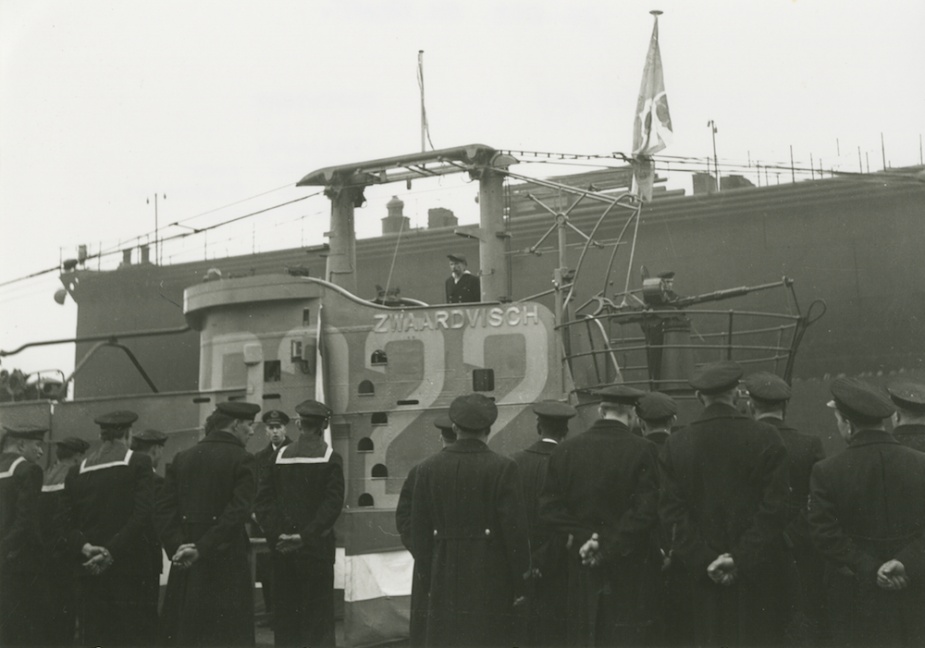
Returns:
(208, 497)
(300, 497)
(724, 490)
(418, 613)
(547, 620)
(21, 554)
(909, 417)
(469, 533)
(768, 397)
(462, 287)
(867, 516)
(151, 442)
(108, 504)
(657, 413)
(602, 489)
(60, 573)
(275, 422)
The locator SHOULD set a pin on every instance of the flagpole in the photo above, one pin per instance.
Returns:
(652, 123)
(320, 391)
(421, 87)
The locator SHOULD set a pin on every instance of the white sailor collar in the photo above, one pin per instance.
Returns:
(115, 456)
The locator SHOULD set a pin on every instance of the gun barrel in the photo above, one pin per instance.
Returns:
(728, 293)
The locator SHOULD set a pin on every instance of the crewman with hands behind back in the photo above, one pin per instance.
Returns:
(300, 497)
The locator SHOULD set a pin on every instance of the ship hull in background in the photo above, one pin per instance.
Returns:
(854, 242)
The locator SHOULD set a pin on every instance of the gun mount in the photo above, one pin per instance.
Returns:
(658, 342)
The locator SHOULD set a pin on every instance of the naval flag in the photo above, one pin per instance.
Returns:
(319, 375)
(652, 124)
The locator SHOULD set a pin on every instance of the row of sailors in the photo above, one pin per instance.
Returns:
(602, 539)
(108, 516)
(732, 530)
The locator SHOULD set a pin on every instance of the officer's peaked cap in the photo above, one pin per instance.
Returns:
(554, 410)
(656, 405)
(74, 444)
(313, 409)
(857, 399)
(619, 394)
(275, 417)
(473, 412)
(767, 387)
(717, 377)
(240, 410)
(457, 258)
(117, 419)
(29, 432)
(908, 396)
(150, 436)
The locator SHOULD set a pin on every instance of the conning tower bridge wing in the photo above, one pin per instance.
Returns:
(402, 167)
(344, 186)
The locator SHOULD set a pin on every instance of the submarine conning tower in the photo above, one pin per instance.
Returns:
(344, 185)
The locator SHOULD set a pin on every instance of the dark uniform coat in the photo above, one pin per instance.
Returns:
(868, 506)
(469, 533)
(658, 438)
(302, 492)
(676, 625)
(724, 490)
(548, 601)
(605, 481)
(207, 498)
(803, 452)
(109, 501)
(418, 621)
(156, 557)
(264, 567)
(266, 456)
(911, 436)
(465, 291)
(21, 555)
(60, 563)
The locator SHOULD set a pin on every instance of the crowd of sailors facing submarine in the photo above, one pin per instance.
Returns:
(730, 530)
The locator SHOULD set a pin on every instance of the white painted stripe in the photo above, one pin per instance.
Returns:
(340, 577)
(51, 488)
(124, 462)
(377, 575)
(9, 472)
(303, 460)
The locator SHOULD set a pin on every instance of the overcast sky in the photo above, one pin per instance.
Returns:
(105, 103)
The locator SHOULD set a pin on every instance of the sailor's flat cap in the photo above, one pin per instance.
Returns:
(313, 409)
(443, 422)
(29, 432)
(150, 437)
(717, 377)
(857, 399)
(457, 258)
(656, 405)
(908, 396)
(117, 419)
(618, 394)
(766, 386)
(75, 444)
(240, 410)
(473, 412)
(275, 417)
(554, 410)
